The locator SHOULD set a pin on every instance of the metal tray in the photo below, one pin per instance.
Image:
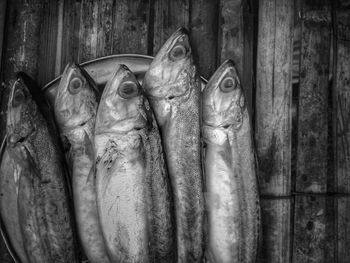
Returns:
(101, 70)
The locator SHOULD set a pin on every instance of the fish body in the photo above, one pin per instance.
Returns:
(232, 191)
(173, 88)
(10, 174)
(133, 193)
(45, 217)
(75, 111)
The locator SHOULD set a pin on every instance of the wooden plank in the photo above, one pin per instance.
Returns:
(204, 34)
(105, 28)
(341, 123)
(2, 24)
(342, 99)
(130, 26)
(312, 155)
(343, 227)
(236, 36)
(313, 229)
(275, 217)
(88, 30)
(274, 95)
(169, 15)
(48, 42)
(70, 36)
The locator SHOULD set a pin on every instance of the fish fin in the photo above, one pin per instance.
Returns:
(92, 174)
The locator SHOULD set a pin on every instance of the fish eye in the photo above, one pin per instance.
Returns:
(228, 84)
(178, 52)
(18, 98)
(75, 85)
(128, 90)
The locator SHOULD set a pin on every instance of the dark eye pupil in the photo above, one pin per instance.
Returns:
(228, 84)
(128, 90)
(178, 51)
(76, 83)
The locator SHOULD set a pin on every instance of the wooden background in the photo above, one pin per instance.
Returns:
(294, 61)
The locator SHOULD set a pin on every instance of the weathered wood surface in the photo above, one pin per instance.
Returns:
(341, 122)
(3, 4)
(48, 42)
(342, 98)
(236, 40)
(204, 34)
(276, 242)
(314, 230)
(273, 96)
(131, 25)
(312, 156)
(167, 20)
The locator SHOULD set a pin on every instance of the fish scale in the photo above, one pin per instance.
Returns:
(43, 197)
(173, 89)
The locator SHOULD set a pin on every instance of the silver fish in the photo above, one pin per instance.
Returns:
(75, 111)
(232, 191)
(45, 217)
(133, 193)
(173, 87)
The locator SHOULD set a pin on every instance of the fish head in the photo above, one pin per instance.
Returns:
(223, 98)
(167, 77)
(123, 106)
(76, 98)
(21, 113)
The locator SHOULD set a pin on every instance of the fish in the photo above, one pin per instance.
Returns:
(133, 189)
(173, 87)
(75, 110)
(232, 197)
(44, 211)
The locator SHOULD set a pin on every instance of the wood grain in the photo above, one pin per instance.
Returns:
(313, 108)
(236, 36)
(274, 95)
(88, 30)
(341, 129)
(313, 229)
(105, 28)
(204, 26)
(2, 25)
(342, 99)
(276, 246)
(48, 42)
(169, 15)
(130, 27)
(70, 35)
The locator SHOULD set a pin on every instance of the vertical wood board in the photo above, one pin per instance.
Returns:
(312, 154)
(204, 34)
(276, 245)
(273, 96)
(130, 27)
(342, 98)
(169, 15)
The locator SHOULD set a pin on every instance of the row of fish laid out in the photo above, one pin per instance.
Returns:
(118, 176)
